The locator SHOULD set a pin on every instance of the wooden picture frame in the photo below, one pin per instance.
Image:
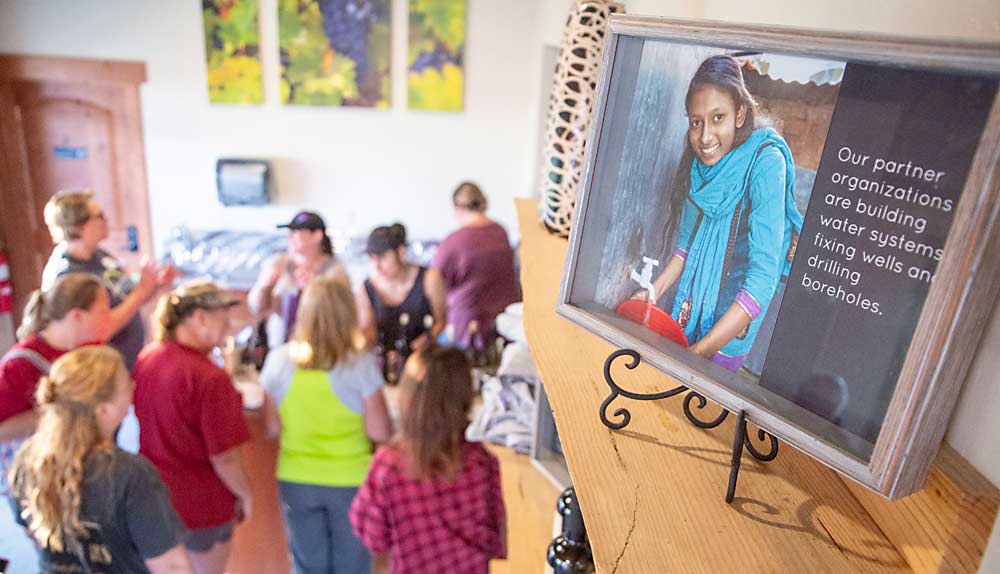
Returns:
(929, 339)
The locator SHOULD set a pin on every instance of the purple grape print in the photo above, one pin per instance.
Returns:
(335, 52)
(436, 45)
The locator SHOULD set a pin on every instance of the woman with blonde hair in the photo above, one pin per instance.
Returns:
(325, 401)
(74, 311)
(90, 506)
(191, 423)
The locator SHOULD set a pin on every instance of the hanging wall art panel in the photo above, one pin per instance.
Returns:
(231, 51)
(335, 52)
(436, 75)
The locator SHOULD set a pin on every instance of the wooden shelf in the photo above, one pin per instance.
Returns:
(652, 494)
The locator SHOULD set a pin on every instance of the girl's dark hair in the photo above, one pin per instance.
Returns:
(71, 291)
(386, 238)
(433, 424)
(724, 73)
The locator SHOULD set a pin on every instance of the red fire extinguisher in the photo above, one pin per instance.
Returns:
(6, 292)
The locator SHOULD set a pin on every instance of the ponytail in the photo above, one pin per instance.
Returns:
(33, 319)
(397, 231)
(46, 393)
(326, 246)
(167, 317)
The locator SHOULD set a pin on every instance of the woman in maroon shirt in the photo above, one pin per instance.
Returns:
(432, 500)
(191, 421)
(477, 265)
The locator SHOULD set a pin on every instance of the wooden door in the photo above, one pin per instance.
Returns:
(69, 126)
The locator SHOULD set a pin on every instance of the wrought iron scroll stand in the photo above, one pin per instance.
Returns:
(740, 438)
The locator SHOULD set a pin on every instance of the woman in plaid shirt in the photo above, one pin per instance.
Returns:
(432, 501)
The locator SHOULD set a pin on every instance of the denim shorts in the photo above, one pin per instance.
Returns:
(203, 539)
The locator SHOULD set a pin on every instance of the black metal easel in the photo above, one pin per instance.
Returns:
(740, 439)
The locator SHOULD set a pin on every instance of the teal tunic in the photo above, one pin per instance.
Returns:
(737, 231)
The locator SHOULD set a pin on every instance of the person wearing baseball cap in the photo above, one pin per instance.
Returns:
(282, 278)
(191, 423)
(402, 306)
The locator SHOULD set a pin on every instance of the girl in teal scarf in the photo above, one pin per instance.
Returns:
(738, 222)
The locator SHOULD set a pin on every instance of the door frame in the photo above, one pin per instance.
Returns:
(18, 214)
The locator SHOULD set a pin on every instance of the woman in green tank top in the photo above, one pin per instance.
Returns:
(325, 403)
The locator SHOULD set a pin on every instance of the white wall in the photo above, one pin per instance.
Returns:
(358, 167)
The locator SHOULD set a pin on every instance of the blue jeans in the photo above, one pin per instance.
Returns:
(319, 531)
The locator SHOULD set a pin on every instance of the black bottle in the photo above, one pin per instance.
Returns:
(401, 344)
(383, 359)
(570, 553)
(472, 350)
(256, 349)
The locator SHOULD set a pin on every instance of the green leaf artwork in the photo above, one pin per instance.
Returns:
(335, 52)
(435, 79)
(231, 51)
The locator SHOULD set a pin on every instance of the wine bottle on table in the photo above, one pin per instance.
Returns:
(402, 344)
(472, 343)
(396, 354)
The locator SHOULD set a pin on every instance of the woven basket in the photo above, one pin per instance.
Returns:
(570, 105)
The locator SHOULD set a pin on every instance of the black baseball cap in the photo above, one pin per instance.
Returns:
(386, 238)
(305, 220)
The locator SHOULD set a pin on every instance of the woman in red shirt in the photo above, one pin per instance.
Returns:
(191, 421)
(432, 501)
(71, 313)
(74, 311)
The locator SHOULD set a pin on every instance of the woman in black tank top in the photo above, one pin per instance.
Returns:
(401, 306)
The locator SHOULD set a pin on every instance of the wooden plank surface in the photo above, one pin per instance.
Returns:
(652, 493)
(944, 527)
(531, 512)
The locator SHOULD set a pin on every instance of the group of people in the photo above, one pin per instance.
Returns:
(425, 501)
(402, 306)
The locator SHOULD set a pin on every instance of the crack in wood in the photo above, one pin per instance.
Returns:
(830, 534)
(618, 454)
(628, 537)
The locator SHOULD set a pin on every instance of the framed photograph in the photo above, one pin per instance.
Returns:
(796, 224)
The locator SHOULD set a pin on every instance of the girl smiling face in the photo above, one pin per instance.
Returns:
(713, 118)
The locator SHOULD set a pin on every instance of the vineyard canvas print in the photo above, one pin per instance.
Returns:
(231, 51)
(437, 41)
(335, 52)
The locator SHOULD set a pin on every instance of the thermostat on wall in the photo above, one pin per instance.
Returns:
(243, 181)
